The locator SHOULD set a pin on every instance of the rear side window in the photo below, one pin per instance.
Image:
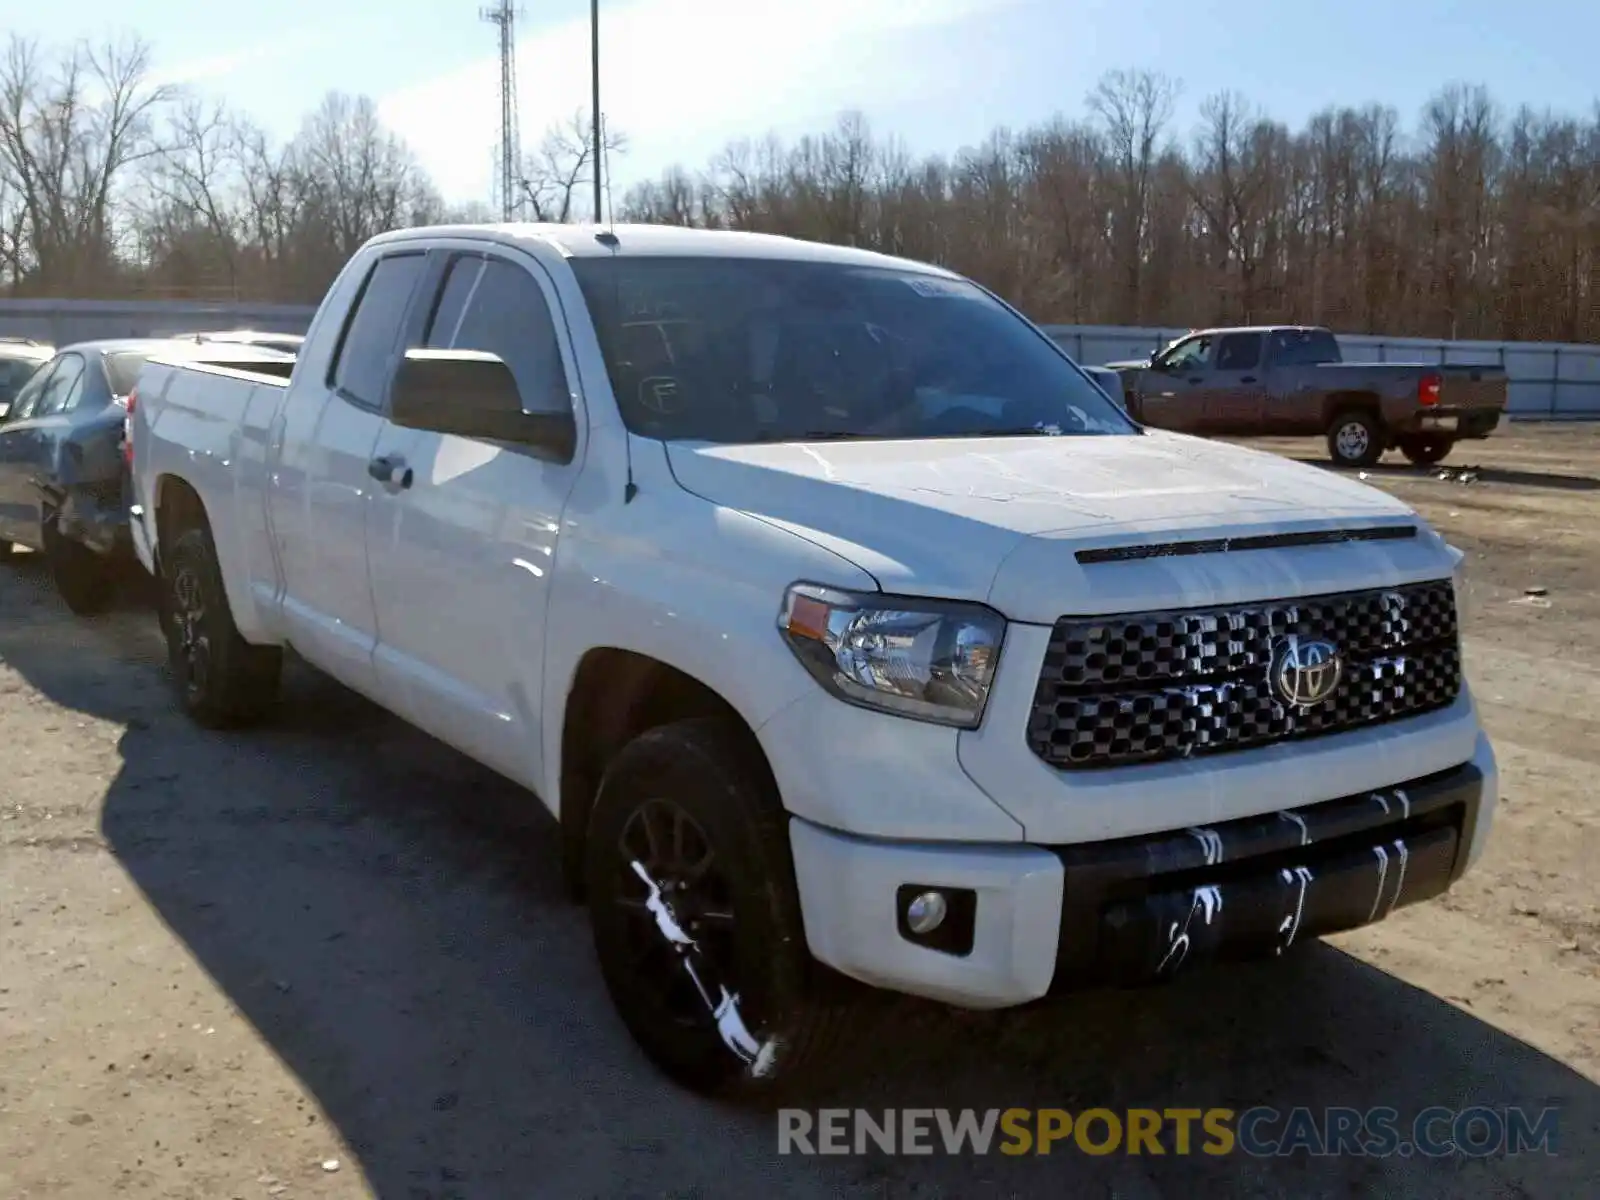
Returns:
(493, 305)
(372, 337)
(1239, 352)
(1303, 347)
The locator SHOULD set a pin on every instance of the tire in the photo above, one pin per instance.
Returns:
(1355, 439)
(1425, 449)
(700, 770)
(84, 580)
(222, 681)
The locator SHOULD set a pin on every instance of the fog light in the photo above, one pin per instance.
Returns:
(926, 913)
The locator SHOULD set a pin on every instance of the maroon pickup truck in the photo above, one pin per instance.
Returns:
(1291, 381)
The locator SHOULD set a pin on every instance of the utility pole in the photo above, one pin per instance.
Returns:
(594, 121)
(504, 17)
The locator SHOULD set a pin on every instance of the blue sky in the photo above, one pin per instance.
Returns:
(682, 77)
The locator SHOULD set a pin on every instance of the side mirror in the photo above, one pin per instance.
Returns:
(471, 393)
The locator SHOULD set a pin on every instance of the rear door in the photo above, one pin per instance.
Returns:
(461, 557)
(1233, 395)
(1173, 388)
(323, 486)
(1293, 403)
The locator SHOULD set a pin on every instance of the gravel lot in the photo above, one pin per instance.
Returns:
(231, 963)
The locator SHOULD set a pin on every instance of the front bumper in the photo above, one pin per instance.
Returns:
(1138, 909)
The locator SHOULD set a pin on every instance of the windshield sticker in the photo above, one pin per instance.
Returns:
(935, 288)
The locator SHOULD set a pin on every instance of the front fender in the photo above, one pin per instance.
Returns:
(681, 580)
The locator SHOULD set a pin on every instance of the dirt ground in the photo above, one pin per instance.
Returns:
(330, 958)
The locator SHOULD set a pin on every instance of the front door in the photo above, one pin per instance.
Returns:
(324, 487)
(462, 543)
(17, 437)
(1172, 389)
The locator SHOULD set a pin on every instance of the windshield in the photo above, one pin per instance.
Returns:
(752, 350)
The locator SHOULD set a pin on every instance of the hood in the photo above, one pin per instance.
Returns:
(941, 516)
(1130, 364)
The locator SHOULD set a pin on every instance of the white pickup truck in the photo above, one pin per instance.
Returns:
(848, 630)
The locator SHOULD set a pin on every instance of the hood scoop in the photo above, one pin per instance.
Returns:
(1265, 541)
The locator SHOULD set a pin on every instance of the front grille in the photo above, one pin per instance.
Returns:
(1146, 687)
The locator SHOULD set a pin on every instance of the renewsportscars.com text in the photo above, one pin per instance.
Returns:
(1438, 1132)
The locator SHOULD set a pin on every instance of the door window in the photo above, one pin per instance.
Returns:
(64, 387)
(496, 306)
(1239, 352)
(1192, 355)
(365, 358)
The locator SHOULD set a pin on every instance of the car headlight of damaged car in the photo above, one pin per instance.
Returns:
(932, 660)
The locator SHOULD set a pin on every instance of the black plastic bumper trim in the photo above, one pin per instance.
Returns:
(1137, 910)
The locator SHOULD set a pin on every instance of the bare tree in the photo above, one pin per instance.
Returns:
(69, 132)
(357, 178)
(1134, 109)
(191, 215)
(1478, 226)
(557, 174)
(1233, 166)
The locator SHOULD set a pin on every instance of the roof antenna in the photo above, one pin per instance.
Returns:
(608, 238)
(605, 150)
(608, 235)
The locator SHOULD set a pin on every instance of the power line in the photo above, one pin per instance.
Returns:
(508, 186)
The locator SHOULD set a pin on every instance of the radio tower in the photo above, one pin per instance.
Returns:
(509, 185)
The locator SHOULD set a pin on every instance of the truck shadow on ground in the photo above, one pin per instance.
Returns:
(1554, 480)
(388, 916)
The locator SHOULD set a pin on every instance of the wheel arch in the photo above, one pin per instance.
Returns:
(1337, 404)
(616, 695)
(178, 507)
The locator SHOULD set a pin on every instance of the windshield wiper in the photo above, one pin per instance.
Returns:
(818, 435)
(1010, 431)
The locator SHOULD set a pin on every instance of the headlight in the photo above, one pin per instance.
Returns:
(928, 659)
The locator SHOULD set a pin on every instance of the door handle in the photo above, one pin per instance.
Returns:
(1196, 379)
(391, 471)
(1248, 379)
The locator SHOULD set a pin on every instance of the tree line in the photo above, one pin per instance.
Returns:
(1473, 223)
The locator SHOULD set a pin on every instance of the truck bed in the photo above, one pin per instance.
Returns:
(213, 416)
